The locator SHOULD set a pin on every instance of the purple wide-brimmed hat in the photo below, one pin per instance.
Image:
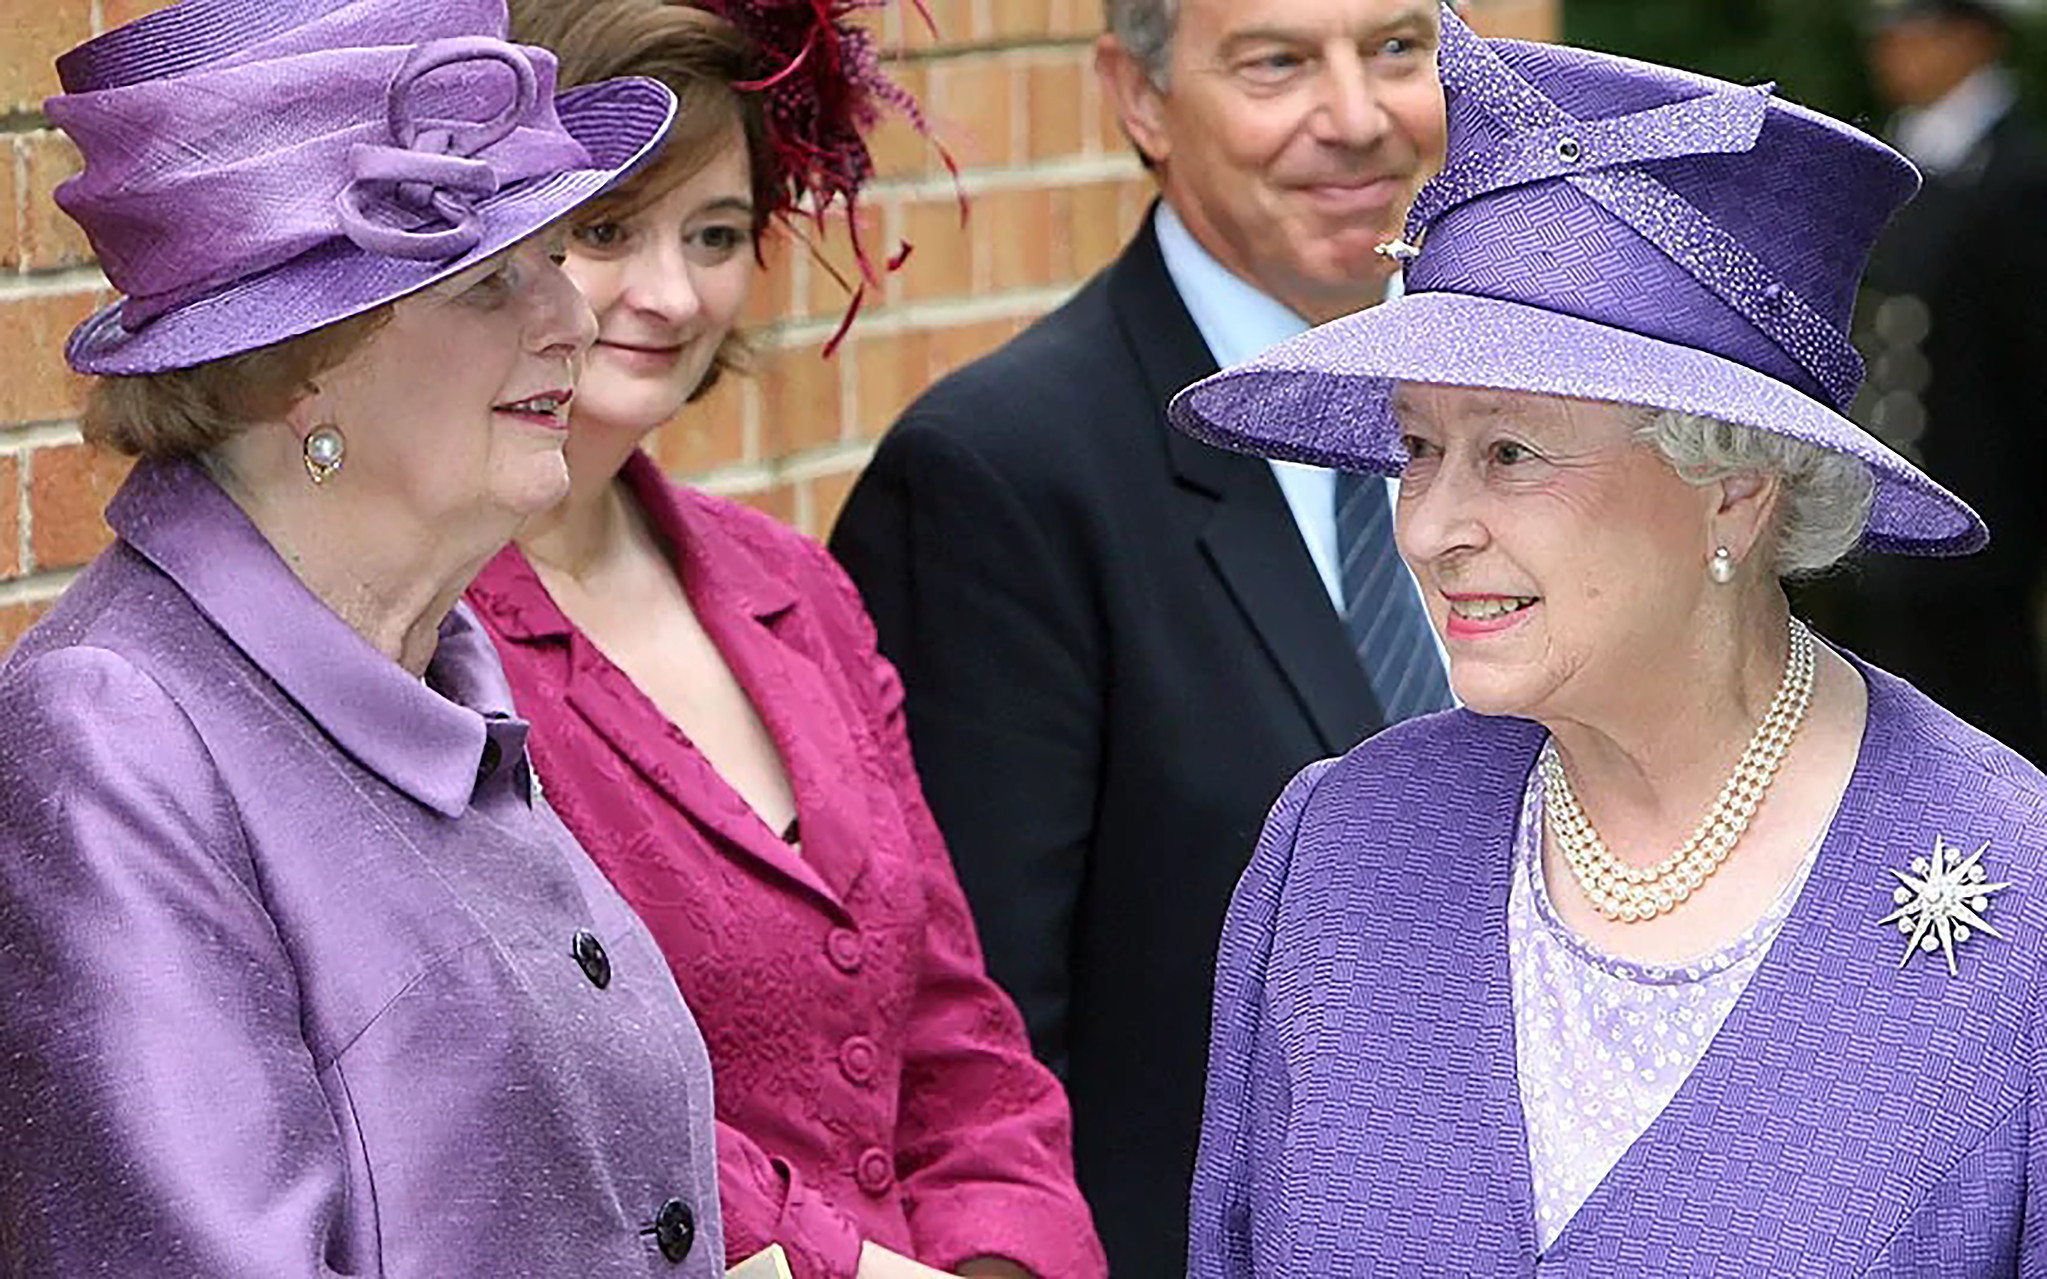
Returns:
(255, 169)
(1613, 230)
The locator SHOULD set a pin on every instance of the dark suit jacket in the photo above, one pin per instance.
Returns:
(1117, 651)
(1951, 320)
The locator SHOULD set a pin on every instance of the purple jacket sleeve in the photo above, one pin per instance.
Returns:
(1246, 1084)
(161, 1110)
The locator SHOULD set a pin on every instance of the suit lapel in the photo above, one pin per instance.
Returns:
(1248, 537)
(758, 622)
(818, 746)
(691, 786)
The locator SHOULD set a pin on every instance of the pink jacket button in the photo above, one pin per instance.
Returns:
(844, 948)
(858, 1058)
(875, 1172)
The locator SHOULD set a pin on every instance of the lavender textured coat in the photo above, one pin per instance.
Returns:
(292, 974)
(1851, 1118)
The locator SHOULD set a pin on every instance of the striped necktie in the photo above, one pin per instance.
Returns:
(1381, 610)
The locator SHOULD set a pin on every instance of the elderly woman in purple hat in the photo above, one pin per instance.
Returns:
(300, 974)
(1689, 944)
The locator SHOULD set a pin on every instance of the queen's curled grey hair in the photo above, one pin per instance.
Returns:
(1826, 495)
(1145, 28)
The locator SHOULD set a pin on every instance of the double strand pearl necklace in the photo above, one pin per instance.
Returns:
(1627, 894)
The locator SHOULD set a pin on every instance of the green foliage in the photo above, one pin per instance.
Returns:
(1811, 48)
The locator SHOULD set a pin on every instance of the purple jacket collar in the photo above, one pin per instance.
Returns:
(426, 738)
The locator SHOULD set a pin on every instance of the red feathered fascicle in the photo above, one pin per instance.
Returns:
(825, 91)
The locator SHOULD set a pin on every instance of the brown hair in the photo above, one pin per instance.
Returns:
(701, 57)
(184, 412)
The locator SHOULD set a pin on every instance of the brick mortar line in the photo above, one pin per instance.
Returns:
(830, 459)
(1067, 171)
(915, 316)
(26, 437)
(18, 157)
(53, 283)
(732, 481)
(995, 44)
(38, 587)
(24, 550)
(738, 478)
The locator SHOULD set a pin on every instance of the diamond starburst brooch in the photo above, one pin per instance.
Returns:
(1942, 901)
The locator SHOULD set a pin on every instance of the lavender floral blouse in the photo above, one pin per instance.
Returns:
(1603, 1043)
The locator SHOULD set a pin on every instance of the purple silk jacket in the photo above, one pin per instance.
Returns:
(299, 976)
(1851, 1118)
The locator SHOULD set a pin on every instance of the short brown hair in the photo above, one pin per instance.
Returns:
(701, 57)
(185, 412)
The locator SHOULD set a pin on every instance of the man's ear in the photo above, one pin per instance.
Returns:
(1137, 102)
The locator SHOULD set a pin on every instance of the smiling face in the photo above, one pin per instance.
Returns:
(1292, 134)
(1561, 559)
(667, 282)
(456, 410)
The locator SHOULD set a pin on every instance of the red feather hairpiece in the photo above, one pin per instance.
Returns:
(826, 93)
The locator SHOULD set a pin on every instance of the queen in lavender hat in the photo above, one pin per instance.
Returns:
(1689, 944)
(301, 975)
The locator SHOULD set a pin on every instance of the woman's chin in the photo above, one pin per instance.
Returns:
(542, 486)
(1492, 691)
(621, 405)
(634, 421)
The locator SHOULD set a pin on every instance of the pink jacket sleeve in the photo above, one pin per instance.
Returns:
(765, 1201)
(985, 1139)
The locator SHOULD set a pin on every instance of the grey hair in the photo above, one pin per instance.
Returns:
(1826, 496)
(1145, 28)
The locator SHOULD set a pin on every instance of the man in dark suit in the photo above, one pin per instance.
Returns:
(1118, 644)
(1952, 323)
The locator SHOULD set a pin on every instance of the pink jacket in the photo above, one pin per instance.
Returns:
(871, 1082)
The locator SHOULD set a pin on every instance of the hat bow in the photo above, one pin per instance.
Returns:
(433, 170)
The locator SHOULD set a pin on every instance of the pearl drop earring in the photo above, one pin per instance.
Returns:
(325, 446)
(1721, 567)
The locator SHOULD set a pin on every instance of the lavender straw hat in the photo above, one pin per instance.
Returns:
(1608, 229)
(255, 169)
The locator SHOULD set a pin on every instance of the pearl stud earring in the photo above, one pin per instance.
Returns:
(1721, 567)
(324, 449)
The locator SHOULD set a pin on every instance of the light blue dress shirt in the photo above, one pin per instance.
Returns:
(1238, 323)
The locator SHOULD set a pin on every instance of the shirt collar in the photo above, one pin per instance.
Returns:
(424, 737)
(1236, 320)
(1939, 138)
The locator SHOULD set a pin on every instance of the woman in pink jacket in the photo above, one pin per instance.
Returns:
(713, 722)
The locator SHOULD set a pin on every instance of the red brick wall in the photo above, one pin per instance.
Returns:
(51, 487)
(1053, 192)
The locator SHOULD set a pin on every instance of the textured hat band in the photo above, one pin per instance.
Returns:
(383, 149)
(1600, 159)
